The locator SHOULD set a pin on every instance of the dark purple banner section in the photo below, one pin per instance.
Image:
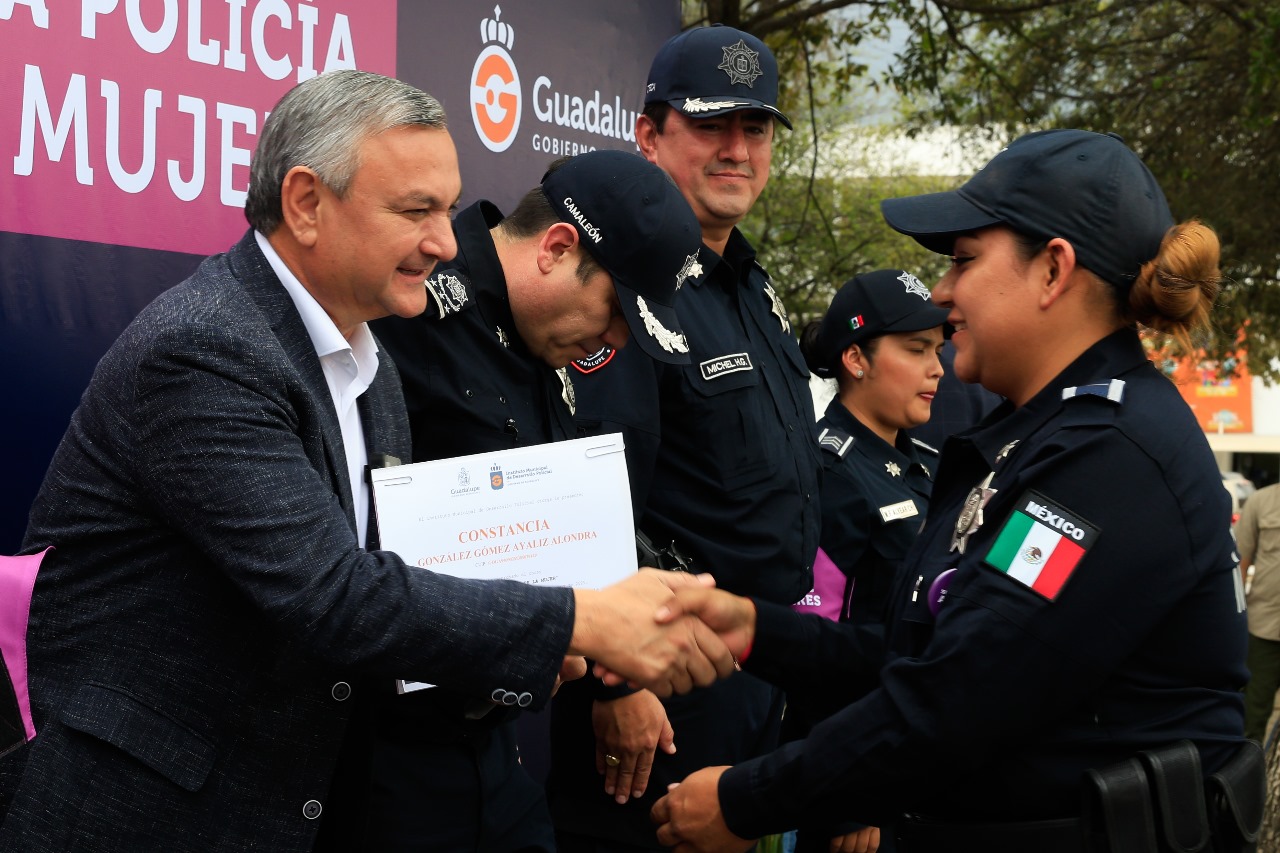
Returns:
(525, 83)
(62, 303)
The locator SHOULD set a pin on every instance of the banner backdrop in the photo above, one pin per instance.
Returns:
(126, 128)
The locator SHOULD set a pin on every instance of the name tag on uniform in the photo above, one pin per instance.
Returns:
(893, 512)
(714, 368)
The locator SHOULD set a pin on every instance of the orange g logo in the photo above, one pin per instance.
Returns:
(495, 98)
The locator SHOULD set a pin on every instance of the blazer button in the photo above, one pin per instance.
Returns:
(525, 700)
(498, 695)
(341, 691)
(311, 810)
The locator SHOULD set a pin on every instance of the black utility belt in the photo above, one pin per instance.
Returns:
(1155, 802)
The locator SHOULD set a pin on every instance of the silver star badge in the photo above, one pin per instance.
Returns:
(893, 469)
(502, 337)
(779, 310)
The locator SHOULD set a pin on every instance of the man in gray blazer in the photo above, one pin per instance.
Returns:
(215, 601)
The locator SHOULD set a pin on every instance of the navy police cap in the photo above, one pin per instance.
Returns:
(870, 305)
(708, 71)
(1087, 188)
(633, 220)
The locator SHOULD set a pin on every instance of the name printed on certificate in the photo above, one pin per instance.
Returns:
(557, 514)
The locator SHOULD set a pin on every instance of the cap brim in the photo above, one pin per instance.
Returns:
(654, 328)
(935, 219)
(715, 106)
(927, 317)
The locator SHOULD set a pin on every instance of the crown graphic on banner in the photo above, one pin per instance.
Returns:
(492, 29)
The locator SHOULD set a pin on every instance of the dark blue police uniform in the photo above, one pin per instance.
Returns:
(470, 384)
(445, 767)
(875, 497)
(723, 461)
(1095, 611)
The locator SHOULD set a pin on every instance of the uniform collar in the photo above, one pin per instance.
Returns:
(880, 452)
(739, 254)
(1109, 358)
(478, 257)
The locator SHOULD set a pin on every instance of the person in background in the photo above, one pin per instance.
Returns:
(1067, 641)
(957, 405)
(1258, 538)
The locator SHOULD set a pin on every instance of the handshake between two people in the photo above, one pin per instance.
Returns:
(665, 631)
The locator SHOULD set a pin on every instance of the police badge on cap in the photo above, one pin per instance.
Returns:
(633, 220)
(872, 304)
(713, 70)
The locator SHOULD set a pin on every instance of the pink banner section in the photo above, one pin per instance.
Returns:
(17, 580)
(131, 122)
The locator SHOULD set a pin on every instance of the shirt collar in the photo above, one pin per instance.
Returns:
(738, 255)
(479, 258)
(320, 327)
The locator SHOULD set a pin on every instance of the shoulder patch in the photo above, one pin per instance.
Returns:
(450, 291)
(1113, 391)
(835, 441)
(595, 361)
(1041, 544)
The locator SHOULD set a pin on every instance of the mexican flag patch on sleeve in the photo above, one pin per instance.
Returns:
(1041, 544)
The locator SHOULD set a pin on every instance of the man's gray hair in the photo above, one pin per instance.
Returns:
(321, 124)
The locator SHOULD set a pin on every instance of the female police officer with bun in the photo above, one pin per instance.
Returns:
(1067, 642)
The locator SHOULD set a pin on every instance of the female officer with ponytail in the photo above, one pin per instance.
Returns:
(1067, 643)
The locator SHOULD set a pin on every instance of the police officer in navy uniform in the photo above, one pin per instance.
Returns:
(880, 341)
(594, 250)
(1068, 638)
(721, 452)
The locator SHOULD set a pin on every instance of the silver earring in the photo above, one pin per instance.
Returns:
(858, 373)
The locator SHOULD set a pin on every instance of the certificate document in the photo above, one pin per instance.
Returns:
(557, 514)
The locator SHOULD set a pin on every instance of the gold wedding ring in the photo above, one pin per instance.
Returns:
(612, 760)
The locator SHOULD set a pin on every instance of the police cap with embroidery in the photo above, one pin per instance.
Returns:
(708, 71)
(1087, 188)
(869, 305)
(633, 220)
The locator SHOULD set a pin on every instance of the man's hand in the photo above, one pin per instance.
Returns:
(865, 840)
(616, 627)
(689, 817)
(572, 668)
(731, 617)
(630, 728)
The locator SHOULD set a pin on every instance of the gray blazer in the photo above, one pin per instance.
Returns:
(196, 635)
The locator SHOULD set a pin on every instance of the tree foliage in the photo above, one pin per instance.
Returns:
(819, 222)
(1190, 84)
